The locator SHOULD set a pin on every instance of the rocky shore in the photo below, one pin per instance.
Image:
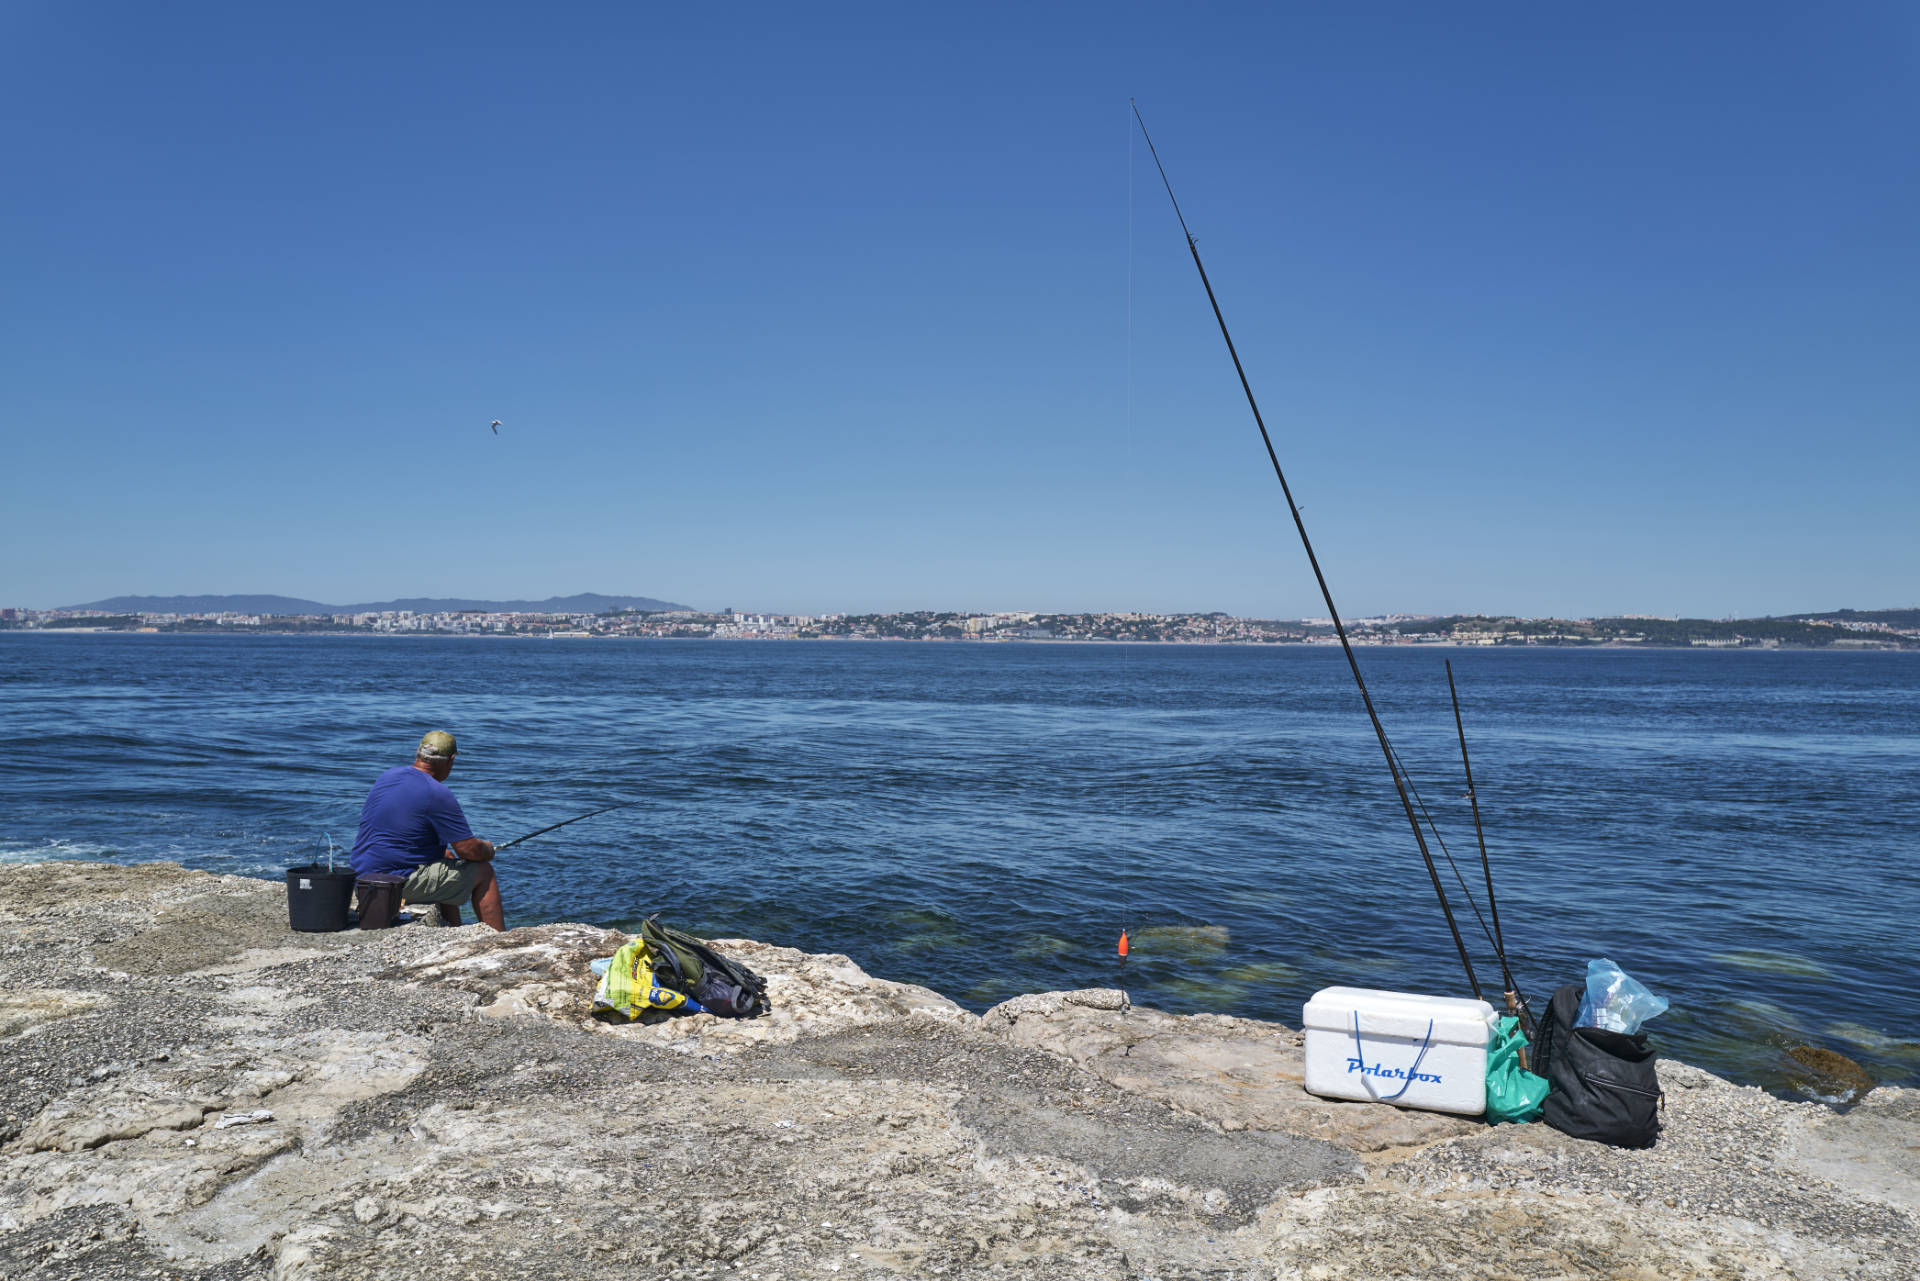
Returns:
(190, 1090)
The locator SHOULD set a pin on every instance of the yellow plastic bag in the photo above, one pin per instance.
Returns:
(627, 989)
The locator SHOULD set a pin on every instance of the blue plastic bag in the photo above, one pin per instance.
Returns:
(1615, 1001)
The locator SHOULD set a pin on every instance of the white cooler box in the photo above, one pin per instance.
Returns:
(1401, 1048)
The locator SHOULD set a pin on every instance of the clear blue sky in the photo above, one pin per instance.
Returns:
(1553, 309)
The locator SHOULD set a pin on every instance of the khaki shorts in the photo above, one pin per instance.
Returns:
(444, 880)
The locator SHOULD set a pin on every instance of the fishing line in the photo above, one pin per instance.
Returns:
(1473, 795)
(1444, 851)
(1130, 186)
(1492, 935)
(1126, 657)
(1516, 999)
(1326, 593)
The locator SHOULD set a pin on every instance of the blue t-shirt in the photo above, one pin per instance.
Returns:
(410, 816)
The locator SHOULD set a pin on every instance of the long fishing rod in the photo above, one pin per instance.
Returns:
(1326, 594)
(562, 823)
(1515, 999)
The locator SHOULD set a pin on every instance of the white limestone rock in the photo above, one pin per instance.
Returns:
(1241, 1074)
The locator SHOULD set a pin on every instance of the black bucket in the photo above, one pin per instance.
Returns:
(379, 899)
(317, 898)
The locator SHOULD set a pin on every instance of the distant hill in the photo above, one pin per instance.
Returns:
(584, 603)
(1891, 617)
(205, 605)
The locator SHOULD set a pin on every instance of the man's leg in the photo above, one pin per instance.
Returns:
(446, 882)
(486, 899)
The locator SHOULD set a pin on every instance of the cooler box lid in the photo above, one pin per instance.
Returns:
(1456, 1020)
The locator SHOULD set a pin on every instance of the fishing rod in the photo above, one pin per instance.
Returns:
(1516, 1002)
(1326, 593)
(562, 823)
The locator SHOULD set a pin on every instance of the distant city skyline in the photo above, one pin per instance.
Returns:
(1849, 630)
(597, 602)
(1553, 312)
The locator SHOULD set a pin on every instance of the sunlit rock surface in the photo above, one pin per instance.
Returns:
(544, 971)
(191, 1090)
(1239, 1074)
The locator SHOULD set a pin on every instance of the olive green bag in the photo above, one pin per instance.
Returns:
(690, 965)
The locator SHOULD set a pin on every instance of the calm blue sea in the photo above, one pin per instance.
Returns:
(1738, 830)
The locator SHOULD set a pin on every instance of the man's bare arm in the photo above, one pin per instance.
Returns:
(474, 850)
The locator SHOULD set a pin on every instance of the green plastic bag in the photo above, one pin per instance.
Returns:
(1514, 1095)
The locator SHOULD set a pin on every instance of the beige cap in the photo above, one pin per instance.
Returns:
(438, 745)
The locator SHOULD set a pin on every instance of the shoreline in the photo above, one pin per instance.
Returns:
(196, 1089)
(1600, 647)
(1803, 1083)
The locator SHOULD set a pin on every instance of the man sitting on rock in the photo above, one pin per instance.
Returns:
(412, 826)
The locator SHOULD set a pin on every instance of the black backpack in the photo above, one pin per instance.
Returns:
(1604, 1084)
(686, 964)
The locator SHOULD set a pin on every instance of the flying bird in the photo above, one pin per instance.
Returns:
(496, 426)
